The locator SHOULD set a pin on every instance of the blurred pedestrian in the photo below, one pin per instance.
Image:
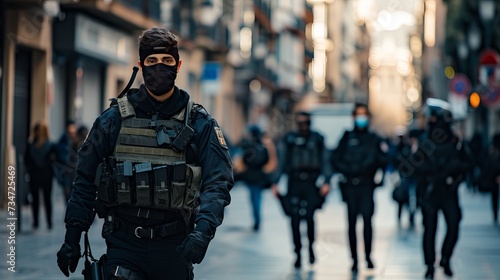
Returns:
(254, 165)
(67, 153)
(303, 158)
(478, 152)
(360, 153)
(442, 160)
(490, 173)
(155, 166)
(40, 156)
(405, 191)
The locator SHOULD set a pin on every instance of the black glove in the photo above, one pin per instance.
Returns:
(68, 256)
(194, 247)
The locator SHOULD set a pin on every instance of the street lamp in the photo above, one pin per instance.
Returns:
(487, 15)
(474, 42)
(462, 52)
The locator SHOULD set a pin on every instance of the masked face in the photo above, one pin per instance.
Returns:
(159, 78)
(361, 121)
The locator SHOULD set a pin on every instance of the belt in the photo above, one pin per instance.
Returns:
(358, 180)
(149, 232)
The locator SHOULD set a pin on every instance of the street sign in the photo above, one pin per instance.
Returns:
(210, 78)
(489, 76)
(460, 85)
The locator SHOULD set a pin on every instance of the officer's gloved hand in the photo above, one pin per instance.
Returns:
(68, 257)
(194, 247)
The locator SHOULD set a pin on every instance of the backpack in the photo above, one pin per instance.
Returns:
(255, 154)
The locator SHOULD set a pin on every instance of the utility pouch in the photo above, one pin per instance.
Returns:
(124, 195)
(180, 142)
(178, 191)
(105, 186)
(178, 171)
(142, 183)
(193, 182)
(161, 186)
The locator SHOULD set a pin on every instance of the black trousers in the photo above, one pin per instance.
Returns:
(494, 200)
(359, 201)
(447, 202)
(145, 259)
(304, 200)
(46, 188)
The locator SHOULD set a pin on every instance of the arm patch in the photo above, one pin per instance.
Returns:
(220, 137)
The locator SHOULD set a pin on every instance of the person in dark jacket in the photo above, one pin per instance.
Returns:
(303, 158)
(441, 160)
(163, 175)
(67, 150)
(256, 161)
(490, 173)
(358, 156)
(40, 156)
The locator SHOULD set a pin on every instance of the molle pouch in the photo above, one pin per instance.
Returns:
(180, 142)
(161, 186)
(193, 183)
(123, 195)
(177, 193)
(177, 171)
(142, 183)
(105, 186)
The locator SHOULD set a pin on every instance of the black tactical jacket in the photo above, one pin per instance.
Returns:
(211, 154)
(359, 154)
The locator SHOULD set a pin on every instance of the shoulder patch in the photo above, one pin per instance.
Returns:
(220, 137)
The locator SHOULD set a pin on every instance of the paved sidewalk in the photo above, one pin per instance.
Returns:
(239, 253)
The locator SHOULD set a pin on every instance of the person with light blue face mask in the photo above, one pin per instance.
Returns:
(358, 156)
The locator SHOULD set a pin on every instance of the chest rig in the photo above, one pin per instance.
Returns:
(305, 152)
(148, 168)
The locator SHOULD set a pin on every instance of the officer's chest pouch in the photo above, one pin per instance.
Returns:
(161, 186)
(143, 183)
(193, 181)
(123, 185)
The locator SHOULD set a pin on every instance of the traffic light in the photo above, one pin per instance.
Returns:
(474, 100)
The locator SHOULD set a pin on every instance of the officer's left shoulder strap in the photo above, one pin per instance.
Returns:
(124, 106)
(190, 110)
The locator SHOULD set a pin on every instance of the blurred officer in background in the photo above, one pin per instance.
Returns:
(163, 175)
(253, 165)
(441, 160)
(303, 158)
(358, 156)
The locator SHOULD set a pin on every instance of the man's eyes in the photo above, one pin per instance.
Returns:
(164, 60)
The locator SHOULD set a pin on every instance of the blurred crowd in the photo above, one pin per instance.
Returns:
(425, 168)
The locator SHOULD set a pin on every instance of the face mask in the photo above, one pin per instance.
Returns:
(361, 121)
(159, 78)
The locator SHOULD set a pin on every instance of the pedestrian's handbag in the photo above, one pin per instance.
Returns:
(94, 269)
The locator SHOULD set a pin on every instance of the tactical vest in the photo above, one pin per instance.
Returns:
(360, 149)
(149, 166)
(305, 152)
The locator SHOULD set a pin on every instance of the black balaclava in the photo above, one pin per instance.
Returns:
(159, 78)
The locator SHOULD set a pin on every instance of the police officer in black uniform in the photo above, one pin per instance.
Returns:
(358, 156)
(163, 175)
(441, 160)
(303, 158)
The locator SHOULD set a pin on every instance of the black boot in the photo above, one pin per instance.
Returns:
(369, 263)
(354, 267)
(298, 262)
(430, 272)
(312, 258)
(445, 263)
